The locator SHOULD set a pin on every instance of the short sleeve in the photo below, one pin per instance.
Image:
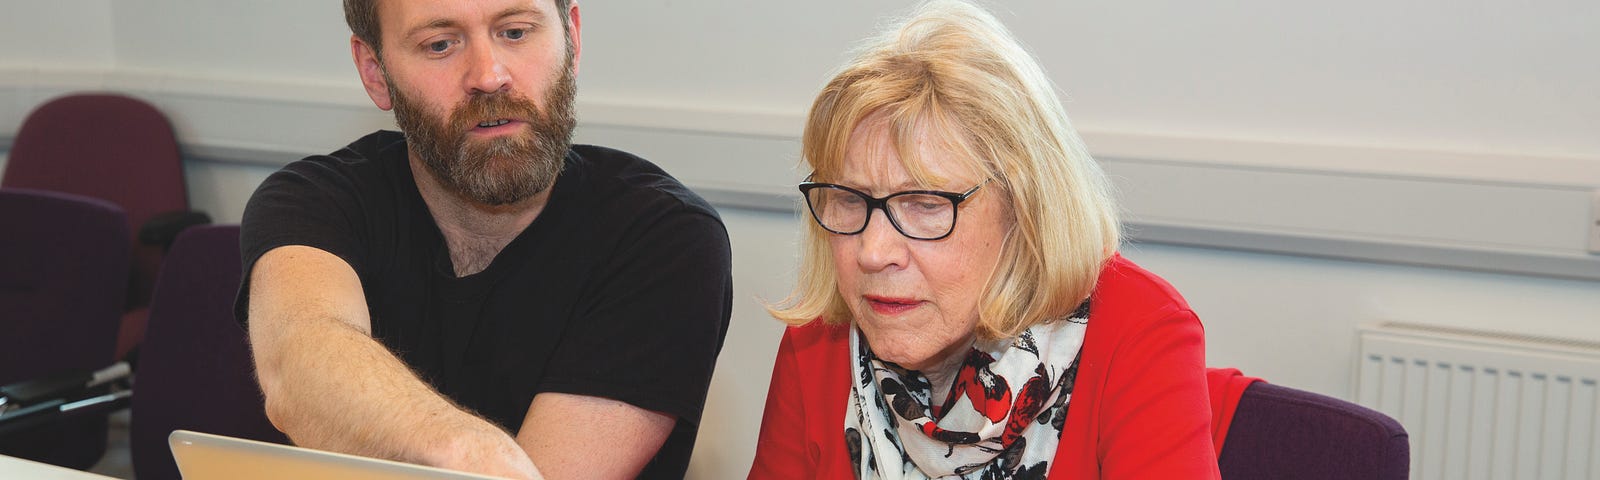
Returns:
(653, 319)
(306, 203)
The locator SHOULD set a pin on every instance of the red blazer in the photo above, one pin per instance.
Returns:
(1140, 406)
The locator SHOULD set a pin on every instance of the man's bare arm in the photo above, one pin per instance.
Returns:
(330, 386)
(564, 433)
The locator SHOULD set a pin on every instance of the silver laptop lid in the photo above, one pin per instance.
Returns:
(203, 456)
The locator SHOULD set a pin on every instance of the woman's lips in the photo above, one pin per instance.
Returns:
(891, 305)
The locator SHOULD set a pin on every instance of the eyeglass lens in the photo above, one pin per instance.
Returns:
(916, 215)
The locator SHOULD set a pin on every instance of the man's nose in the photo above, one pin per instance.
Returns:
(486, 73)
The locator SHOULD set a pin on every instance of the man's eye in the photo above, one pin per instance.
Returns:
(439, 47)
(516, 33)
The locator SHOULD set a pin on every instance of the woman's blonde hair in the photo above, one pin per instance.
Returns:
(952, 69)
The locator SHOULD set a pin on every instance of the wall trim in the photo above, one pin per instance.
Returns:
(1484, 211)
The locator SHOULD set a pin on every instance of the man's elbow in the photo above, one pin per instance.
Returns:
(269, 376)
(281, 409)
(277, 413)
(271, 400)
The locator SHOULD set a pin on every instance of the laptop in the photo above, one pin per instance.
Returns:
(203, 456)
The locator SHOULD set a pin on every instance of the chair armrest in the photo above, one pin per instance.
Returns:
(163, 228)
(72, 394)
(95, 401)
(59, 385)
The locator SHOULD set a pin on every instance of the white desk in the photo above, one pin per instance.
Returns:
(13, 467)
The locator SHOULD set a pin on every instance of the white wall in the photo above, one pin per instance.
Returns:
(73, 34)
(70, 37)
(1477, 99)
(1291, 320)
(1484, 77)
(1480, 75)
(289, 40)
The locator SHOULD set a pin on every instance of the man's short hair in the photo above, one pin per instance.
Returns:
(951, 68)
(362, 16)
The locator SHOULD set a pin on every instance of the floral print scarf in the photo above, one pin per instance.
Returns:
(1002, 418)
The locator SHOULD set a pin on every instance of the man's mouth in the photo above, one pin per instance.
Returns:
(493, 123)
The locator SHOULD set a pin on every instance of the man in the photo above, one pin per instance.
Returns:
(419, 296)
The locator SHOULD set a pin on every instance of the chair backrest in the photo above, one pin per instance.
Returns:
(194, 370)
(63, 261)
(106, 146)
(1280, 432)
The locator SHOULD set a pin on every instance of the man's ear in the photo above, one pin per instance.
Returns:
(371, 70)
(575, 25)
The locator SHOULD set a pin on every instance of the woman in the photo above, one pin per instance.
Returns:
(961, 309)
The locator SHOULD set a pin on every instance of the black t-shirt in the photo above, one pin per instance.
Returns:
(621, 287)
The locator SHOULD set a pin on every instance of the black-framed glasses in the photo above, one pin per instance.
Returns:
(917, 214)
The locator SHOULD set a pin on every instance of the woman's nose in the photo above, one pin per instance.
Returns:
(881, 246)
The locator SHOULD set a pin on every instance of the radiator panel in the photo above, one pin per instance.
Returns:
(1480, 405)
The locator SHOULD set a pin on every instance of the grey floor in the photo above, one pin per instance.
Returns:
(117, 462)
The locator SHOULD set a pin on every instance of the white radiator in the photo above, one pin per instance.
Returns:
(1481, 405)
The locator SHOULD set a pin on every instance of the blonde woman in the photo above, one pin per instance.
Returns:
(962, 310)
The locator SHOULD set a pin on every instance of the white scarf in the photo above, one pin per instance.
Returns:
(1002, 419)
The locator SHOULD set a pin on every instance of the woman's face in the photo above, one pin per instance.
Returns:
(916, 300)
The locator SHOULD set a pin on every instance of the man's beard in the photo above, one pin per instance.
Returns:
(497, 171)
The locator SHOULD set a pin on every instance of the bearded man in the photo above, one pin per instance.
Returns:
(474, 292)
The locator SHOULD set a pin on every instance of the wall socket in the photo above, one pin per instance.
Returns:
(1594, 223)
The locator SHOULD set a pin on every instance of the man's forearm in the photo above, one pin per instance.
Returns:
(330, 386)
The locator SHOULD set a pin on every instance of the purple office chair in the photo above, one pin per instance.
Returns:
(1282, 433)
(63, 272)
(194, 370)
(118, 149)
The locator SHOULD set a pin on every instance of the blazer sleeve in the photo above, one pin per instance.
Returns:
(781, 446)
(1157, 402)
